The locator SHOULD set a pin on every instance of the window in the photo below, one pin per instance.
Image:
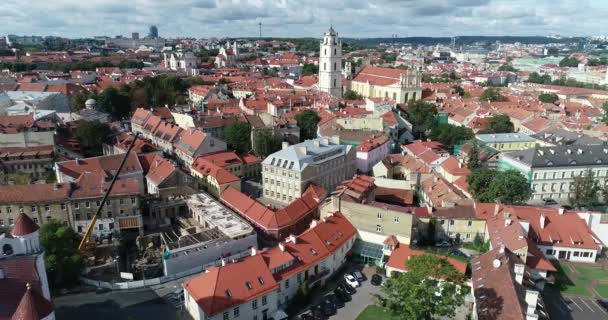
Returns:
(442, 222)
(236, 312)
(33, 209)
(396, 219)
(254, 304)
(451, 222)
(63, 206)
(9, 209)
(1, 222)
(121, 201)
(226, 317)
(335, 51)
(379, 215)
(470, 223)
(248, 285)
(575, 253)
(76, 205)
(87, 204)
(264, 301)
(335, 66)
(10, 222)
(287, 283)
(132, 200)
(378, 228)
(324, 66)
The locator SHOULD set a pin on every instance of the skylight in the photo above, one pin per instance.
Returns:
(228, 293)
(260, 280)
(248, 284)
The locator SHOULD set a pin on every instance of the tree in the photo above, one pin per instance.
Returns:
(421, 115)
(64, 263)
(78, 101)
(509, 187)
(307, 121)
(91, 135)
(114, 102)
(507, 67)
(492, 95)
(473, 162)
(431, 230)
(585, 191)
(310, 69)
(450, 135)
(500, 123)
(548, 97)
(266, 143)
(421, 292)
(459, 90)
(238, 136)
(569, 62)
(352, 95)
(605, 111)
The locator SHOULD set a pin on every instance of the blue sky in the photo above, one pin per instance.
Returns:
(299, 18)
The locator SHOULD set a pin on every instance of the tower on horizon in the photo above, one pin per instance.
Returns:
(330, 64)
(153, 34)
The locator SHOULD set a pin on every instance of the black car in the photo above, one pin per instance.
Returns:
(376, 279)
(317, 313)
(458, 253)
(328, 308)
(307, 316)
(350, 290)
(549, 201)
(603, 303)
(342, 295)
(337, 302)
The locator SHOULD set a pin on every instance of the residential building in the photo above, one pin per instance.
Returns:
(459, 223)
(163, 177)
(330, 64)
(36, 162)
(551, 170)
(25, 287)
(504, 142)
(430, 153)
(503, 289)
(400, 253)
(261, 286)
(399, 85)
(435, 191)
(400, 167)
(205, 235)
(244, 166)
(372, 151)
(272, 223)
(213, 178)
(452, 169)
(560, 137)
(324, 162)
(192, 143)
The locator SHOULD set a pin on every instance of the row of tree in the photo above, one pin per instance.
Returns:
(489, 185)
(66, 67)
(534, 77)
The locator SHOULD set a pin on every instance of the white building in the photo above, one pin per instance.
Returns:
(330, 64)
(181, 61)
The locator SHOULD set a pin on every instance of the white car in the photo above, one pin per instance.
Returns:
(351, 281)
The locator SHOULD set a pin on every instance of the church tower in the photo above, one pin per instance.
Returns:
(330, 64)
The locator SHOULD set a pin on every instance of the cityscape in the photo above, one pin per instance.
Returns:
(258, 160)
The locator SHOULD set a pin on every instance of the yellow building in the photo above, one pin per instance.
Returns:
(505, 142)
(396, 84)
(459, 223)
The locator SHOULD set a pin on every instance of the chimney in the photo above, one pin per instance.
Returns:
(55, 186)
(519, 272)
(501, 248)
(285, 145)
(542, 220)
(254, 251)
(302, 150)
(313, 223)
(496, 209)
(281, 246)
(223, 262)
(293, 238)
(561, 211)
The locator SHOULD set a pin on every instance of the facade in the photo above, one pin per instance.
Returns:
(504, 142)
(395, 84)
(213, 178)
(180, 61)
(25, 288)
(37, 162)
(372, 151)
(551, 170)
(245, 166)
(324, 162)
(261, 286)
(330, 64)
(459, 223)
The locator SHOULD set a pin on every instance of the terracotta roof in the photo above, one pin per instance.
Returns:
(398, 197)
(399, 256)
(379, 76)
(18, 271)
(454, 167)
(33, 306)
(32, 193)
(105, 165)
(158, 168)
(24, 226)
(94, 185)
(374, 143)
(223, 159)
(190, 141)
(391, 241)
(207, 168)
(407, 161)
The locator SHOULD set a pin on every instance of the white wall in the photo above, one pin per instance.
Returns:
(590, 259)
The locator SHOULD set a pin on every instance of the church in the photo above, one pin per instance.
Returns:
(371, 82)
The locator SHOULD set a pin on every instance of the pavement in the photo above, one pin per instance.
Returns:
(572, 307)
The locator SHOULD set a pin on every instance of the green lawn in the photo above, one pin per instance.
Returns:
(602, 289)
(577, 290)
(373, 312)
(595, 273)
(570, 283)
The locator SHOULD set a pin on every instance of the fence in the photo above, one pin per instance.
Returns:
(140, 283)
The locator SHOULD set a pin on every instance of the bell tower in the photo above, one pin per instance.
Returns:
(330, 64)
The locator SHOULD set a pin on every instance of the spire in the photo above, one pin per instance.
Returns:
(24, 225)
(32, 306)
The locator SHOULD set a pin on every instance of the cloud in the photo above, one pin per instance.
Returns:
(352, 18)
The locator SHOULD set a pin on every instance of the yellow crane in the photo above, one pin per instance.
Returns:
(87, 234)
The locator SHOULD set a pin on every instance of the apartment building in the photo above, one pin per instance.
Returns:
(459, 223)
(262, 285)
(324, 162)
(505, 142)
(551, 170)
(399, 85)
(213, 178)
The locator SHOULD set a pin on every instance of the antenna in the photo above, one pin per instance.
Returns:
(260, 23)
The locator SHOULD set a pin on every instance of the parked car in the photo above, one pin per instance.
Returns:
(307, 316)
(335, 301)
(376, 279)
(342, 295)
(317, 313)
(351, 281)
(603, 303)
(328, 308)
(456, 252)
(443, 244)
(350, 290)
(358, 275)
(549, 201)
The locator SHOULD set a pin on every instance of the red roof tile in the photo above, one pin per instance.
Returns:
(33, 306)
(399, 256)
(24, 226)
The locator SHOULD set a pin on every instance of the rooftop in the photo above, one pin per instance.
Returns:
(299, 156)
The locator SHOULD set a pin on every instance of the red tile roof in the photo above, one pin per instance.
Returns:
(207, 168)
(94, 185)
(399, 256)
(33, 306)
(18, 271)
(374, 143)
(190, 141)
(157, 168)
(454, 167)
(105, 165)
(379, 76)
(41, 193)
(24, 226)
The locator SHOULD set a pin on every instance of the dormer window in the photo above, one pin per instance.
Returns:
(228, 293)
(260, 280)
(248, 285)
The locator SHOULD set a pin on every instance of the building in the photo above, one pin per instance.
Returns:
(372, 151)
(245, 166)
(503, 289)
(560, 137)
(208, 233)
(551, 170)
(43, 105)
(261, 286)
(395, 84)
(330, 64)
(163, 177)
(459, 223)
(324, 162)
(181, 61)
(400, 167)
(213, 178)
(272, 223)
(192, 143)
(504, 142)
(400, 253)
(25, 288)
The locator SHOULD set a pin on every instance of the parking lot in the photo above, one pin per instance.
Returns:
(575, 308)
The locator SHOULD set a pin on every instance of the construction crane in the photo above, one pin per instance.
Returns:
(87, 234)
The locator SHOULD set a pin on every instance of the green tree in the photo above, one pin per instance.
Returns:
(421, 293)
(548, 97)
(78, 101)
(500, 123)
(421, 115)
(451, 135)
(431, 230)
(507, 67)
(307, 121)
(114, 102)
(64, 263)
(310, 69)
(569, 62)
(352, 95)
(492, 95)
(479, 182)
(586, 191)
(605, 111)
(473, 162)
(238, 136)
(91, 135)
(459, 90)
(509, 187)
(266, 143)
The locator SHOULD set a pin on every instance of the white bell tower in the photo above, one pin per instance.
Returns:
(330, 64)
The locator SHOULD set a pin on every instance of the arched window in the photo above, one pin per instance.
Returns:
(335, 66)
(335, 83)
(325, 51)
(335, 51)
(394, 96)
(7, 249)
(324, 66)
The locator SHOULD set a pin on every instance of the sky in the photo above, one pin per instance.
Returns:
(303, 18)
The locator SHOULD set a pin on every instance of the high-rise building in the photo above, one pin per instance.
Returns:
(153, 32)
(330, 64)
